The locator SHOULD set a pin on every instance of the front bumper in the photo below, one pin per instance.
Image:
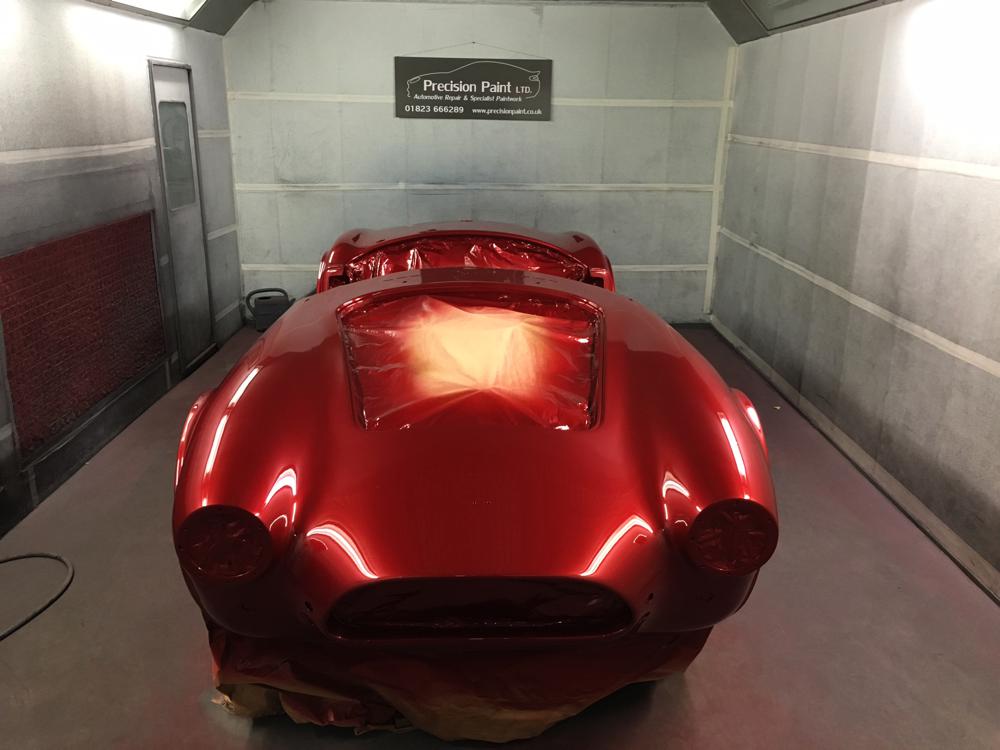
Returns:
(480, 689)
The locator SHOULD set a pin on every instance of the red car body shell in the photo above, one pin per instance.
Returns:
(377, 515)
(357, 244)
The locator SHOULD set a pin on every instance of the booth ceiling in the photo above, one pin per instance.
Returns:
(744, 19)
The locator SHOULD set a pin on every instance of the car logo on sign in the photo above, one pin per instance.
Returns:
(525, 83)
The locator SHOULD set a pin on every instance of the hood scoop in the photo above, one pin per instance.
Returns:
(499, 358)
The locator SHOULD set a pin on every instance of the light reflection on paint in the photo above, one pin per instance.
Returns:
(243, 387)
(454, 350)
(630, 523)
(210, 464)
(418, 356)
(673, 484)
(754, 418)
(187, 424)
(286, 479)
(734, 447)
(183, 446)
(221, 428)
(334, 532)
(670, 484)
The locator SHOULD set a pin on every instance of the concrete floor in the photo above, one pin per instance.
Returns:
(860, 633)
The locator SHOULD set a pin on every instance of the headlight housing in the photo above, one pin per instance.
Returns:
(224, 543)
(734, 537)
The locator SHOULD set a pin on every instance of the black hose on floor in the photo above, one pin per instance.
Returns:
(51, 600)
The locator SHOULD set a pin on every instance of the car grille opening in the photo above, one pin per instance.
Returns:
(478, 607)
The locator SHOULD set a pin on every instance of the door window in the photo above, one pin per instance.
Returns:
(175, 139)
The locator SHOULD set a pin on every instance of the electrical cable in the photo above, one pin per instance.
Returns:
(51, 600)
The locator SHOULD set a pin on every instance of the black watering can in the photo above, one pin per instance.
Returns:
(267, 305)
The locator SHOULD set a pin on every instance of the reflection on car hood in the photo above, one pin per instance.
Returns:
(464, 495)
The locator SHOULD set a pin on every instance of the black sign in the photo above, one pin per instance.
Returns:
(473, 89)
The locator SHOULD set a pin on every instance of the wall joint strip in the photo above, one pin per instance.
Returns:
(719, 178)
(947, 346)
(885, 158)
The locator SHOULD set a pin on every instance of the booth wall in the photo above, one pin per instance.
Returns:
(860, 251)
(632, 154)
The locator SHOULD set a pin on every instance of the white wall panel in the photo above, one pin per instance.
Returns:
(252, 142)
(224, 275)
(373, 143)
(676, 296)
(862, 168)
(317, 148)
(575, 37)
(306, 142)
(257, 216)
(216, 183)
(373, 209)
(669, 145)
(248, 52)
(307, 225)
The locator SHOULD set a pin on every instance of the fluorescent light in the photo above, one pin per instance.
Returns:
(119, 40)
(951, 62)
(181, 10)
(11, 14)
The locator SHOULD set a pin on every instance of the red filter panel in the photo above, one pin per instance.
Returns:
(81, 319)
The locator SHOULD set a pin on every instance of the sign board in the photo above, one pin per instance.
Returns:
(460, 88)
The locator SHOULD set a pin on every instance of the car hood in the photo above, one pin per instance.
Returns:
(282, 437)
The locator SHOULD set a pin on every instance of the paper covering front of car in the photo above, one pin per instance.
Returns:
(466, 497)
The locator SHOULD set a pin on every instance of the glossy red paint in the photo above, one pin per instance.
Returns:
(751, 412)
(366, 253)
(471, 536)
